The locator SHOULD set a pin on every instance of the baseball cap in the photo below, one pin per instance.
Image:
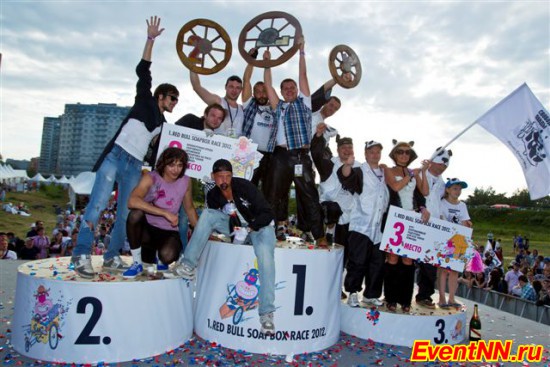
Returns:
(456, 181)
(342, 141)
(222, 165)
(372, 143)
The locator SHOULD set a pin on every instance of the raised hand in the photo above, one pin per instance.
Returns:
(153, 27)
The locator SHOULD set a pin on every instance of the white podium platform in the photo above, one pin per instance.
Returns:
(60, 317)
(307, 298)
(439, 326)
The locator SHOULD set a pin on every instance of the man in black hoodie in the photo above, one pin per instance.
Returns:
(231, 198)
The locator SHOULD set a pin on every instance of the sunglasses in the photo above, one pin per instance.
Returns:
(172, 98)
(403, 151)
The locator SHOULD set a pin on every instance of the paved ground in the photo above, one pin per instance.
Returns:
(349, 351)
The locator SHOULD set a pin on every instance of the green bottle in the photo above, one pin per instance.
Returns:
(475, 326)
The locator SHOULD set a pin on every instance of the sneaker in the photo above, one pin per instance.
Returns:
(149, 268)
(181, 270)
(268, 327)
(307, 237)
(372, 302)
(428, 303)
(280, 233)
(83, 266)
(133, 271)
(162, 267)
(115, 264)
(353, 300)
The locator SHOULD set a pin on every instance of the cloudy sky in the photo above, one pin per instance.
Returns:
(429, 68)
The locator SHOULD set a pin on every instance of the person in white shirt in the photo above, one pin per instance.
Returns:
(5, 253)
(232, 125)
(427, 273)
(512, 279)
(371, 198)
(455, 211)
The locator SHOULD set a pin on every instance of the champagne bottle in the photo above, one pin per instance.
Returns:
(475, 326)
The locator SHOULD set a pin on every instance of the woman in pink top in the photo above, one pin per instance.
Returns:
(154, 206)
(41, 242)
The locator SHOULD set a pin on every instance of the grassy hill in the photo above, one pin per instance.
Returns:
(503, 223)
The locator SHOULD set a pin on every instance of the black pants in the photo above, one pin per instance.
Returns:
(341, 237)
(427, 275)
(399, 283)
(365, 261)
(152, 239)
(259, 178)
(281, 176)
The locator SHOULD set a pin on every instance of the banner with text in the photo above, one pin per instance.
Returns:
(436, 242)
(204, 150)
(307, 316)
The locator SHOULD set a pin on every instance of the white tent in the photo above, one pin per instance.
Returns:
(51, 180)
(80, 188)
(21, 174)
(38, 178)
(63, 180)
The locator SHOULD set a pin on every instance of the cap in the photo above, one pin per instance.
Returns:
(456, 181)
(222, 165)
(442, 156)
(514, 262)
(372, 143)
(342, 141)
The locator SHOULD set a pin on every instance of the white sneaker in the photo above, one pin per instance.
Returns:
(353, 300)
(372, 302)
(181, 270)
(83, 266)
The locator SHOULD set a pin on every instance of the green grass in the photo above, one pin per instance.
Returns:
(506, 223)
(41, 207)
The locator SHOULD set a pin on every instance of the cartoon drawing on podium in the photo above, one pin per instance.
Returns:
(243, 296)
(46, 321)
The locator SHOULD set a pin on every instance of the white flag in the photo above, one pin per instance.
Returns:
(523, 124)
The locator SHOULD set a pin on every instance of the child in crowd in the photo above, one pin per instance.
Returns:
(455, 211)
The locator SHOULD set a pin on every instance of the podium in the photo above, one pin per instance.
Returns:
(60, 317)
(307, 298)
(439, 326)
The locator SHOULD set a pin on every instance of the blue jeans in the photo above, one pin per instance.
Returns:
(123, 168)
(263, 241)
(183, 226)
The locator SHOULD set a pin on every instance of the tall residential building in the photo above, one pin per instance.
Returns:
(49, 150)
(85, 131)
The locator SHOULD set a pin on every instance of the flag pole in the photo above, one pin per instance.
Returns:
(452, 140)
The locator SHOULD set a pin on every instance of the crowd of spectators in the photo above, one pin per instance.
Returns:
(40, 242)
(527, 276)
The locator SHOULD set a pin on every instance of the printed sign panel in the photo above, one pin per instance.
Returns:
(436, 242)
(204, 150)
(307, 298)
